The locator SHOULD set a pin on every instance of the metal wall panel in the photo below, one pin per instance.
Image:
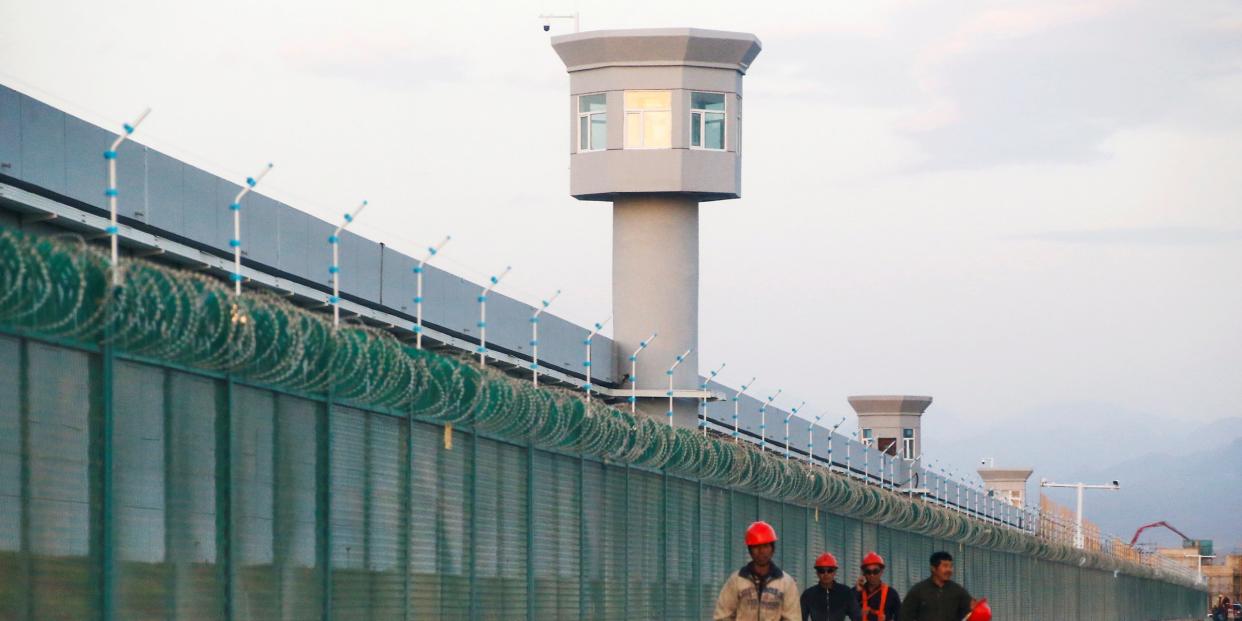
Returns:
(10, 132)
(318, 252)
(43, 145)
(86, 179)
(292, 240)
(397, 286)
(131, 179)
(360, 266)
(199, 199)
(165, 192)
(260, 229)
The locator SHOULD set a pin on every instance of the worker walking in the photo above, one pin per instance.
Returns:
(829, 600)
(879, 602)
(759, 591)
(939, 598)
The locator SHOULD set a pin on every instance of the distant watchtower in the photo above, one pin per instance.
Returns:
(656, 128)
(892, 423)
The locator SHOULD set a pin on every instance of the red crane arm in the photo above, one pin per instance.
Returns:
(1144, 527)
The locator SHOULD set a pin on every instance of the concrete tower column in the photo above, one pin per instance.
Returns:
(655, 288)
(655, 122)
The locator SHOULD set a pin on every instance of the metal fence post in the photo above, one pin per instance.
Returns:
(27, 554)
(323, 509)
(107, 489)
(582, 542)
(472, 549)
(407, 492)
(224, 498)
(664, 543)
(530, 530)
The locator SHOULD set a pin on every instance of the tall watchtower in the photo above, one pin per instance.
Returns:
(656, 129)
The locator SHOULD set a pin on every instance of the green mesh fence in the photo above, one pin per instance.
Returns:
(168, 450)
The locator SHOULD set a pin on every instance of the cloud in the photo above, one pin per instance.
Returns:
(1043, 85)
(1167, 235)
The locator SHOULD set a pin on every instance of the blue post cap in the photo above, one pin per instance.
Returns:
(250, 181)
(349, 218)
(109, 154)
(333, 299)
(586, 363)
(235, 243)
(534, 367)
(633, 358)
(432, 251)
(418, 299)
(494, 280)
(533, 342)
(481, 350)
(482, 298)
(332, 239)
(235, 206)
(534, 320)
(418, 269)
(129, 129)
(417, 328)
(235, 277)
(111, 230)
(332, 269)
(482, 324)
(630, 399)
(669, 372)
(110, 192)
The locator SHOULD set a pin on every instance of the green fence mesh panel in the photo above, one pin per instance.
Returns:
(168, 451)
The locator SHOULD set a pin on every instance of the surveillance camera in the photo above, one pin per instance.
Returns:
(983, 462)
(1116, 484)
(547, 27)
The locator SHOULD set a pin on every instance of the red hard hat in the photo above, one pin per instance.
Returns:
(760, 533)
(981, 611)
(873, 559)
(826, 560)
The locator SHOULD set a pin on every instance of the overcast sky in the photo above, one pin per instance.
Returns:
(1014, 207)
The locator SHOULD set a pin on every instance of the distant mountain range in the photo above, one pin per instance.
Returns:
(1189, 476)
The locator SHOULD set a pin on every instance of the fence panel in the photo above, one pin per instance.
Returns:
(225, 498)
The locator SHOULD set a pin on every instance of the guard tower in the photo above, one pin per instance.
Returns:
(892, 423)
(655, 120)
(1009, 484)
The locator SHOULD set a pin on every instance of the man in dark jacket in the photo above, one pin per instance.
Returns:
(937, 598)
(829, 600)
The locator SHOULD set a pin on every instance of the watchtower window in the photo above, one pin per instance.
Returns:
(648, 119)
(592, 122)
(707, 121)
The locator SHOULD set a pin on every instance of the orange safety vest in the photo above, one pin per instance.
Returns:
(866, 601)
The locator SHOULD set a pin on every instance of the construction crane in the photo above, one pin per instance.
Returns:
(1144, 527)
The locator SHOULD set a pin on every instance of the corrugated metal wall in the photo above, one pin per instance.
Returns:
(130, 490)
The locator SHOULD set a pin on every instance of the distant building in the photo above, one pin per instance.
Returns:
(891, 423)
(1224, 577)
